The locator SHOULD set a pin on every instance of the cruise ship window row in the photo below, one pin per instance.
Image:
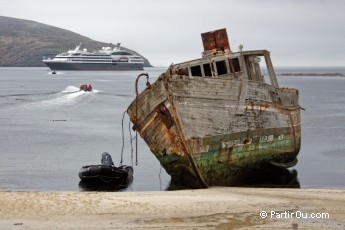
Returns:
(122, 53)
(83, 60)
(86, 56)
(106, 57)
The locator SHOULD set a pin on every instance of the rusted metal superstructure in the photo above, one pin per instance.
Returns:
(211, 120)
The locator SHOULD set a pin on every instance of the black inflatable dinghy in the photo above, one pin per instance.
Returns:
(106, 172)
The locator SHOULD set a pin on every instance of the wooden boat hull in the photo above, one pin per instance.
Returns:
(202, 141)
(215, 120)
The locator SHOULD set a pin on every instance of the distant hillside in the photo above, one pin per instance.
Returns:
(24, 43)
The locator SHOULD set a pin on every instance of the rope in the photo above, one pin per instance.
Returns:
(123, 138)
(131, 141)
(136, 111)
(160, 179)
(136, 132)
(130, 137)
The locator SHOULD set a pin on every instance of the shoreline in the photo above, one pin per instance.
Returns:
(212, 208)
(311, 74)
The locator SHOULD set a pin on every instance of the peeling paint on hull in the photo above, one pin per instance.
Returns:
(219, 166)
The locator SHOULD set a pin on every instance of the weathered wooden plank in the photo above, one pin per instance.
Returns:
(200, 121)
(147, 101)
(205, 88)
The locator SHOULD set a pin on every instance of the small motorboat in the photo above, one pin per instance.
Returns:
(86, 88)
(53, 72)
(106, 172)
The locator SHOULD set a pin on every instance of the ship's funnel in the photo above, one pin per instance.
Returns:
(217, 39)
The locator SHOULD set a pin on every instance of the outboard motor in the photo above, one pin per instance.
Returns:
(106, 159)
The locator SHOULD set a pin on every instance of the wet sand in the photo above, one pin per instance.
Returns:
(213, 208)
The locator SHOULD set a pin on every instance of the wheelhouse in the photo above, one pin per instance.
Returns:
(243, 65)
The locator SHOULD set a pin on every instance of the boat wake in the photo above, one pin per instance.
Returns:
(52, 73)
(69, 96)
(70, 89)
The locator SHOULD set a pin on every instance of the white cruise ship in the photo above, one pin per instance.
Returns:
(107, 58)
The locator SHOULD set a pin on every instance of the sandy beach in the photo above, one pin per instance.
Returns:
(213, 208)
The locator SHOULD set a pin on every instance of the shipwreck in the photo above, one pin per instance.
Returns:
(216, 120)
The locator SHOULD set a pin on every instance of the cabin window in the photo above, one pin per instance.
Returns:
(207, 70)
(234, 65)
(253, 68)
(121, 53)
(183, 71)
(196, 71)
(221, 68)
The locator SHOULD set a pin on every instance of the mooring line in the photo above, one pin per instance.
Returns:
(123, 137)
(131, 140)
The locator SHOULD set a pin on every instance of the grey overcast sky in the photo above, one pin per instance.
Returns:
(297, 32)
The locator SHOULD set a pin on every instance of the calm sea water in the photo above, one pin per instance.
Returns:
(49, 129)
